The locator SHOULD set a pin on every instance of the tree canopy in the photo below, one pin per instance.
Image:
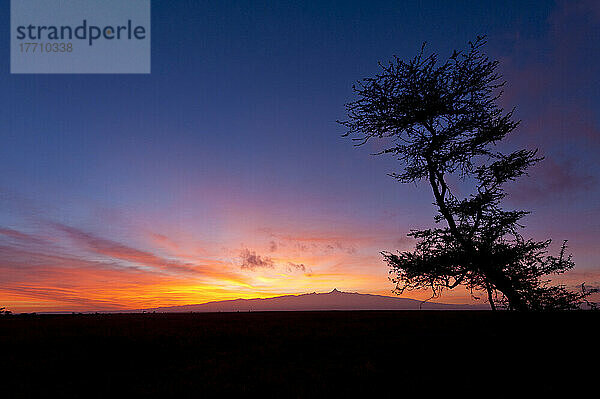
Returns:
(442, 119)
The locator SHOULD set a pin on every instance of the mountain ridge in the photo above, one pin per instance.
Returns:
(333, 300)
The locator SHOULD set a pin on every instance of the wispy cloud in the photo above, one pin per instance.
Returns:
(252, 261)
(291, 266)
(100, 273)
(552, 81)
(20, 236)
(552, 178)
(120, 251)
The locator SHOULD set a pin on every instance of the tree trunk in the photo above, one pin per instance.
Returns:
(490, 298)
(503, 284)
(500, 281)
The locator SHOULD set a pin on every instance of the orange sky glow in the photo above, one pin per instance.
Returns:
(62, 268)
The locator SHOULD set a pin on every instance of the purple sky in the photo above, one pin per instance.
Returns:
(223, 174)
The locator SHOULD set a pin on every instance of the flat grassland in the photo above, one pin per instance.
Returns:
(300, 354)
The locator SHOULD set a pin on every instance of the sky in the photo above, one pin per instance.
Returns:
(223, 174)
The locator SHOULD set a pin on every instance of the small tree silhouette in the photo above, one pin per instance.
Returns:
(4, 312)
(440, 120)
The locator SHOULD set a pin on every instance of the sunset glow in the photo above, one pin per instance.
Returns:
(223, 173)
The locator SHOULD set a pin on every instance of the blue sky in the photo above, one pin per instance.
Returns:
(232, 141)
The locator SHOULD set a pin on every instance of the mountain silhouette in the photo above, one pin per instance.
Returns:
(334, 300)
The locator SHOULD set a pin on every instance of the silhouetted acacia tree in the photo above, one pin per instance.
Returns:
(442, 119)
